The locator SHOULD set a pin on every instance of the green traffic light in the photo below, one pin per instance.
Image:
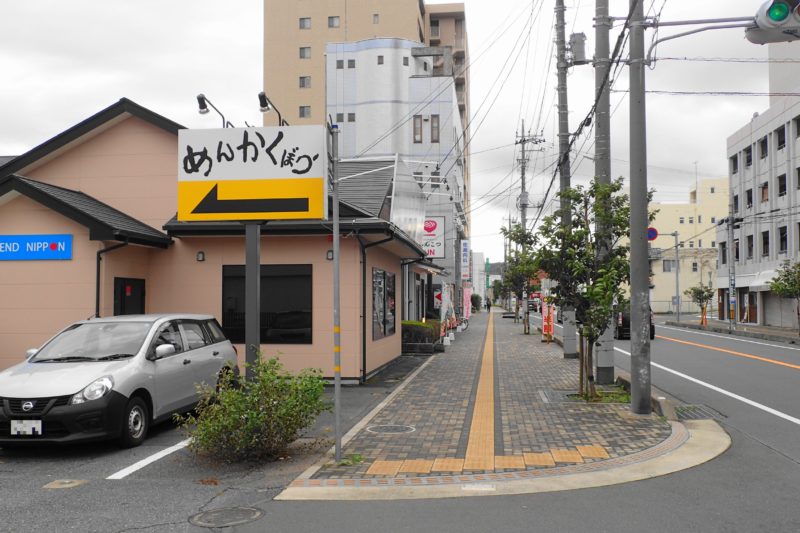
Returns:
(778, 11)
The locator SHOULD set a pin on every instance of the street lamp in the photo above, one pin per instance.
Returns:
(203, 103)
(265, 104)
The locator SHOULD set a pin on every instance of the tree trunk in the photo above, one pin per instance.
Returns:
(798, 315)
(580, 366)
(589, 368)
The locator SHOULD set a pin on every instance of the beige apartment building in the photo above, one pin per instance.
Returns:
(296, 33)
(695, 223)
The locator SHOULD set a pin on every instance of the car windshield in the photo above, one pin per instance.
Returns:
(93, 341)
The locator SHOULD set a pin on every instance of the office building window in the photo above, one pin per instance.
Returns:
(681, 220)
(765, 192)
(797, 126)
(339, 64)
(305, 52)
(797, 176)
(376, 18)
(748, 197)
(713, 220)
(695, 267)
(723, 253)
(699, 219)
(699, 243)
(417, 128)
(691, 244)
(713, 244)
(748, 156)
(736, 250)
(305, 23)
(713, 190)
(351, 117)
(333, 22)
(339, 117)
(351, 63)
(434, 128)
(691, 220)
(735, 164)
(668, 265)
(783, 239)
(383, 304)
(765, 243)
(434, 29)
(286, 303)
(425, 66)
(380, 60)
(780, 137)
(750, 246)
(405, 61)
(782, 185)
(305, 111)
(735, 203)
(305, 82)
(763, 146)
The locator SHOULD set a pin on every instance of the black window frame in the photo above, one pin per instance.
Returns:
(384, 303)
(763, 147)
(783, 239)
(780, 137)
(765, 243)
(749, 198)
(748, 156)
(735, 164)
(750, 246)
(290, 324)
(351, 63)
(781, 185)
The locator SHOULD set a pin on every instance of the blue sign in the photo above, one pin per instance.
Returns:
(35, 247)
(652, 234)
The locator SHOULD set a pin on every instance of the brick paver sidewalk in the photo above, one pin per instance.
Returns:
(489, 410)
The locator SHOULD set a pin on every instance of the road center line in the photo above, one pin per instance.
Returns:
(731, 352)
(729, 337)
(480, 446)
(125, 472)
(757, 405)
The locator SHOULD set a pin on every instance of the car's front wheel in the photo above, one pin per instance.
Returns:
(135, 423)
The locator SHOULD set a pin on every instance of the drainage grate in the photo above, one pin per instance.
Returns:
(226, 517)
(391, 429)
(558, 396)
(697, 412)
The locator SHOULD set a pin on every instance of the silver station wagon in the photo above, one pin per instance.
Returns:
(111, 378)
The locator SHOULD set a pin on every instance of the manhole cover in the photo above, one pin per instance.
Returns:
(697, 412)
(227, 517)
(391, 429)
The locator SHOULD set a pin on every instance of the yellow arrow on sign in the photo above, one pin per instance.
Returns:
(271, 199)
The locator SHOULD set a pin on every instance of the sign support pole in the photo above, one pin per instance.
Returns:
(337, 348)
(252, 295)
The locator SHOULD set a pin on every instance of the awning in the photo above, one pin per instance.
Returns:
(761, 281)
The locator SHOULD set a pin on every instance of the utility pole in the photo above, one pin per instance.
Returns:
(677, 277)
(732, 296)
(604, 372)
(640, 268)
(569, 330)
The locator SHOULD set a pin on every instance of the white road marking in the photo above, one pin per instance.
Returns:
(125, 472)
(722, 391)
(729, 337)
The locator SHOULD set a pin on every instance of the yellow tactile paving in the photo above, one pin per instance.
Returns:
(593, 452)
(448, 465)
(384, 468)
(539, 459)
(416, 466)
(566, 456)
(480, 447)
(509, 462)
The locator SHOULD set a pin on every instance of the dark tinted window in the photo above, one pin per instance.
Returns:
(286, 314)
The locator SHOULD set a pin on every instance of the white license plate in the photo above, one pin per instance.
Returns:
(26, 427)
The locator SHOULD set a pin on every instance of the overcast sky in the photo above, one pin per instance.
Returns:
(62, 61)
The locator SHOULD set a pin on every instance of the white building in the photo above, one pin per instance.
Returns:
(479, 275)
(764, 171)
(395, 96)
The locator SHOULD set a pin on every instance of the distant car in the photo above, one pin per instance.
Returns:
(111, 378)
(622, 324)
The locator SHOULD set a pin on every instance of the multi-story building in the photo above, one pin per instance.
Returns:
(694, 223)
(764, 170)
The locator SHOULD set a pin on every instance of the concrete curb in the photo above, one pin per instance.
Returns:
(736, 333)
(706, 441)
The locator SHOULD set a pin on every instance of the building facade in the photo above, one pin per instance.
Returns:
(764, 175)
(695, 225)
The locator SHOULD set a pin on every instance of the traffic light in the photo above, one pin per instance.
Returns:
(776, 21)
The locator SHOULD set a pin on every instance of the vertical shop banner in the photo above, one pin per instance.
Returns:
(433, 237)
(465, 256)
(467, 302)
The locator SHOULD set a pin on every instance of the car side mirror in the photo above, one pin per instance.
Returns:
(164, 350)
(30, 353)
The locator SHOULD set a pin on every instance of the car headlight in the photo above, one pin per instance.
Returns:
(94, 391)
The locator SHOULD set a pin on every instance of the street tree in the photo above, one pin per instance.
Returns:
(701, 295)
(520, 269)
(592, 286)
(786, 284)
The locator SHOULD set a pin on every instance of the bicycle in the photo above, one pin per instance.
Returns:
(464, 323)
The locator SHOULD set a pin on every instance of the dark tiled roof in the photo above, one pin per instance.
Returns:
(123, 106)
(5, 159)
(368, 192)
(104, 222)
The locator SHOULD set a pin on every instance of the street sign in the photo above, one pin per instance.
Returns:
(652, 234)
(274, 173)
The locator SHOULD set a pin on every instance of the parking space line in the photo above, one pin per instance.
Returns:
(735, 396)
(125, 472)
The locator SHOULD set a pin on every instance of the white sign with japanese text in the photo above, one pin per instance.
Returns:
(270, 173)
(465, 256)
(433, 237)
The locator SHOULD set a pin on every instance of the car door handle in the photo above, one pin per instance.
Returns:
(215, 352)
(187, 361)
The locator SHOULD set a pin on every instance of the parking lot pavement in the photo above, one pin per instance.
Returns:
(65, 488)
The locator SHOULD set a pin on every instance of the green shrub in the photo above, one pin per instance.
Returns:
(416, 332)
(476, 301)
(258, 418)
